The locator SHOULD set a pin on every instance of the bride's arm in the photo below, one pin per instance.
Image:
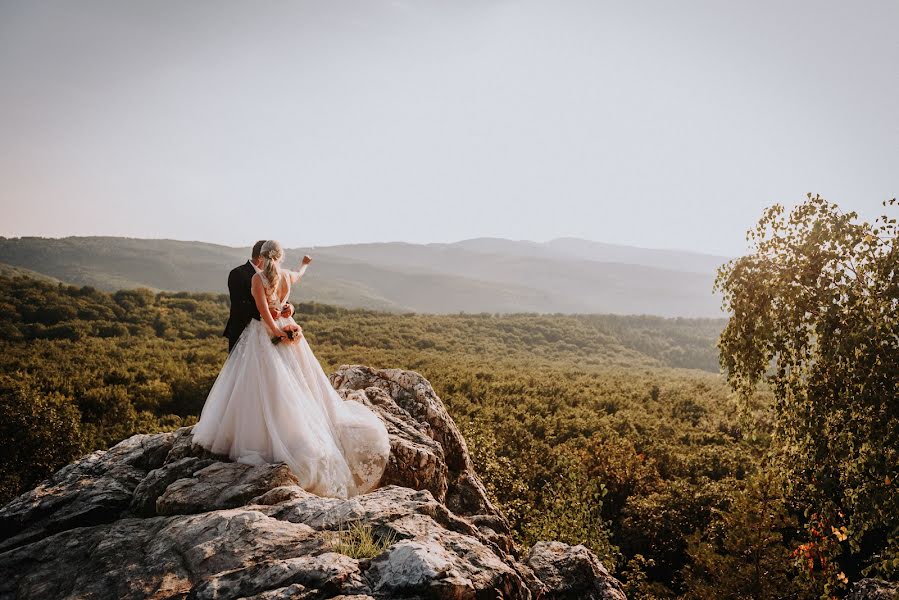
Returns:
(258, 291)
(295, 275)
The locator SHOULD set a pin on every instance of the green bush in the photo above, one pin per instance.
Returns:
(41, 432)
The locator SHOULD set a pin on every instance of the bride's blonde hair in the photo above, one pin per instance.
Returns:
(271, 254)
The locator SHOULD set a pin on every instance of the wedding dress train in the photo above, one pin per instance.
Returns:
(274, 403)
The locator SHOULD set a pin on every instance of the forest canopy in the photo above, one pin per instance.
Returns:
(583, 426)
(773, 479)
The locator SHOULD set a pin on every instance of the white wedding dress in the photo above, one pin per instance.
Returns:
(274, 403)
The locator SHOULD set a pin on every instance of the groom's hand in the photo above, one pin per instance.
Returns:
(287, 310)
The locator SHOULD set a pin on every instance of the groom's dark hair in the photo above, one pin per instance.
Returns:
(257, 249)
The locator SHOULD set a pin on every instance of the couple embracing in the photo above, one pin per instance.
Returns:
(273, 402)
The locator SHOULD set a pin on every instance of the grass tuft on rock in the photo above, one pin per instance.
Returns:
(358, 540)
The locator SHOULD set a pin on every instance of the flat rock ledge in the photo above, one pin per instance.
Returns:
(157, 516)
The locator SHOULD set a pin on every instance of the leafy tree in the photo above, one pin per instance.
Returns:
(637, 583)
(744, 553)
(622, 470)
(570, 509)
(815, 312)
(108, 414)
(658, 525)
(40, 433)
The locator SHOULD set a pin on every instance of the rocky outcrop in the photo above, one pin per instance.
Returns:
(156, 516)
(427, 449)
(874, 589)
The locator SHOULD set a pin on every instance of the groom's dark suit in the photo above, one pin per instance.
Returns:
(243, 305)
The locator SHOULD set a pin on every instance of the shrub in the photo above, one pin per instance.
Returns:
(39, 434)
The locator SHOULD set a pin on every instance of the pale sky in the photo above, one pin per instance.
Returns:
(658, 124)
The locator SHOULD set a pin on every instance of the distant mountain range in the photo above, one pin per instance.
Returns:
(565, 275)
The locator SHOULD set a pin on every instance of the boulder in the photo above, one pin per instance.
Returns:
(222, 485)
(95, 489)
(415, 403)
(572, 573)
(416, 460)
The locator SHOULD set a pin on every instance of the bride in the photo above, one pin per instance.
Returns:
(272, 402)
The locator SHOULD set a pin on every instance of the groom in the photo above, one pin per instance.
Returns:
(243, 305)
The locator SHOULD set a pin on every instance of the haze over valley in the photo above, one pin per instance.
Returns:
(565, 275)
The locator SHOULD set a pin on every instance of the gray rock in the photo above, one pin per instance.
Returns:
(572, 572)
(377, 508)
(444, 565)
(416, 460)
(183, 445)
(413, 393)
(874, 589)
(222, 485)
(161, 557)
(157, 516)
(143, 502)
(95, 489)
(323, 574)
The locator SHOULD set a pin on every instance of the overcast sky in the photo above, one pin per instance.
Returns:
(658, 124)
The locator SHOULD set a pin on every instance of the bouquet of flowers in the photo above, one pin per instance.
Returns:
(293, 335)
